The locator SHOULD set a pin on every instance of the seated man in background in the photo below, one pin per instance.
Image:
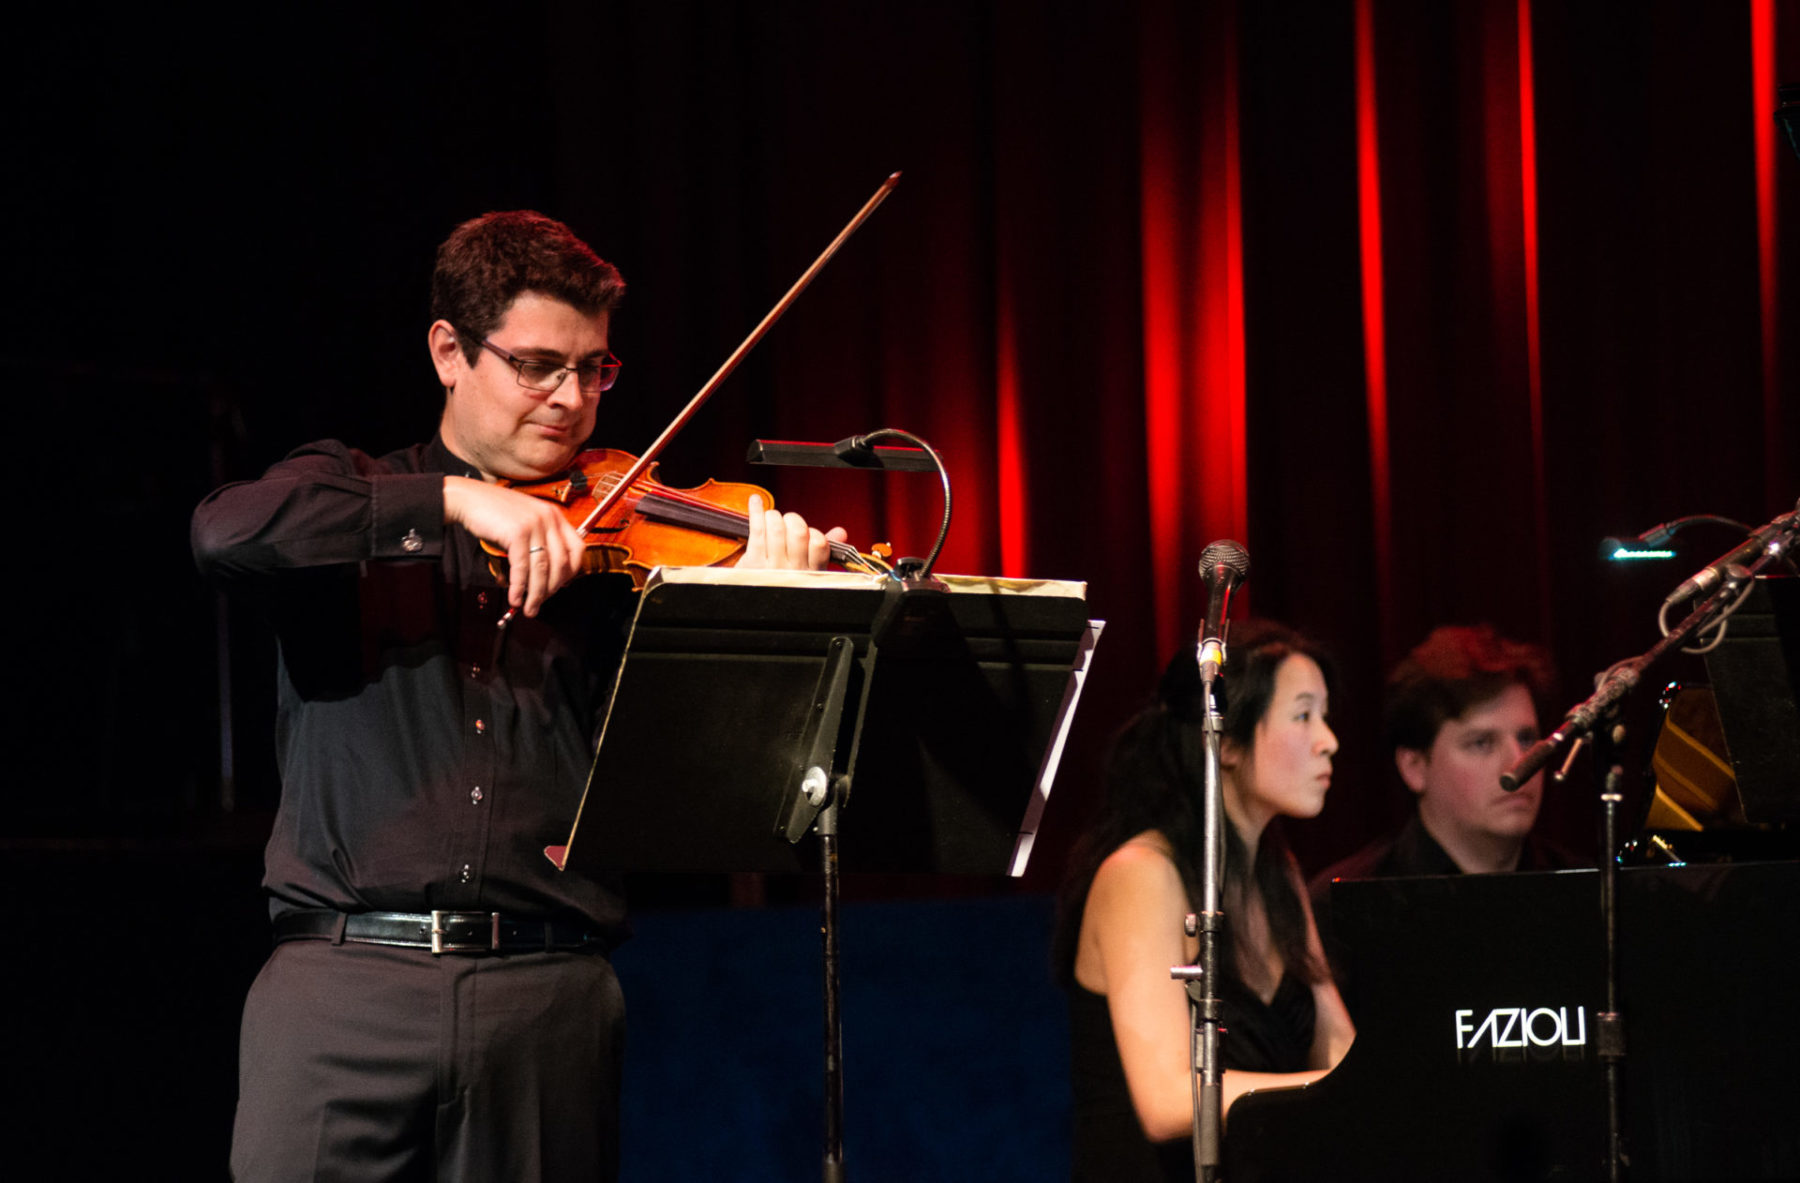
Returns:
(1461, 709)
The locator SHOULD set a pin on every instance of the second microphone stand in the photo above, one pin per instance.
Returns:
(1598, 720)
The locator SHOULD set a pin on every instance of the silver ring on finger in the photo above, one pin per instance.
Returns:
(534, 550)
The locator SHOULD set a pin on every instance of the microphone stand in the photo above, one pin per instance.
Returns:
(1615, 683)
(1201, 980)
(1597, 720)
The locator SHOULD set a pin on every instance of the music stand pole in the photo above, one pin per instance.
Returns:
(827, 829)
(822, 787)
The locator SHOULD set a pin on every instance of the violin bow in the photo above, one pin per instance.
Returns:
(680, 421)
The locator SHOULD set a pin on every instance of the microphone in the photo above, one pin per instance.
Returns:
(1224, 565)
(1772, 539)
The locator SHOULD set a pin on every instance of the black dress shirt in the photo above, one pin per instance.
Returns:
(426, 757)
(1413, 851)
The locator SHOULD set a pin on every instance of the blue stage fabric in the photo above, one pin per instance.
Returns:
(955, 1044)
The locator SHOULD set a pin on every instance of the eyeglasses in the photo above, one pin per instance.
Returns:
(592, 377)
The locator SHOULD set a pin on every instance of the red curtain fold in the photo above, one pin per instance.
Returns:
(1191, 244)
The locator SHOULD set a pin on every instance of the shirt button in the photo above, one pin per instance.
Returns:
(480, 727)
(474, 671)
(411, 543)
(481, 599)
(466, 874)
(475, 794)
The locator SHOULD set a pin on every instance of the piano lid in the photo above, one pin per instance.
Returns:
(1475, 1058)
(1755, 672)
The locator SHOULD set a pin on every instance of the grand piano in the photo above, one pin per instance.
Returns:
(1476, 1052)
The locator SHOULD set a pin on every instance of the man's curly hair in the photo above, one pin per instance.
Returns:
(1453, 669)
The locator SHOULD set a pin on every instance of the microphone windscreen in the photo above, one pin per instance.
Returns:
(1227, 554)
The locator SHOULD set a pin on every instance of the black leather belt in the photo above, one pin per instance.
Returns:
(441, 932)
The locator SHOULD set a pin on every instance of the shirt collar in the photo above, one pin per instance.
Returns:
(441, 459)
(1422, 852)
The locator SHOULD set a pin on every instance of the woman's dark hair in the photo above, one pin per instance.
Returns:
(1153, 782)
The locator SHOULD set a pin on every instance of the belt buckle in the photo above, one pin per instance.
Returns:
(439, 932)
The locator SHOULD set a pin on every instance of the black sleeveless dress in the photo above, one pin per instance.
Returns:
(1109, 1145)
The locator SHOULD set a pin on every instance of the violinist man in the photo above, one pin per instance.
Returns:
(439, 1003)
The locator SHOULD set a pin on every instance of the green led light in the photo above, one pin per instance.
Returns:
(1622, 553)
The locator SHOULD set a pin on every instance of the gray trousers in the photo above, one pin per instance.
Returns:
(362, 1063)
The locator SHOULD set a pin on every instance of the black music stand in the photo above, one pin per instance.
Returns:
(758, 713)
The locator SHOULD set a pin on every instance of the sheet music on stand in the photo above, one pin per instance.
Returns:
(963, 721)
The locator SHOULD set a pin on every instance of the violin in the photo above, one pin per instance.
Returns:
(651, 524)
(637, 523)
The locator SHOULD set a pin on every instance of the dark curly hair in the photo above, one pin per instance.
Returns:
(1153, 782)
(1453, 669)
(488, 261)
